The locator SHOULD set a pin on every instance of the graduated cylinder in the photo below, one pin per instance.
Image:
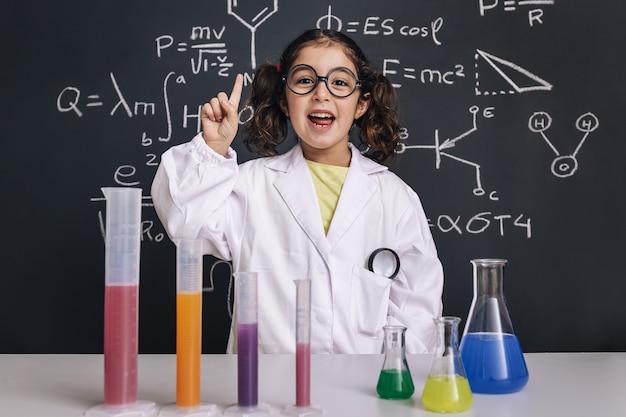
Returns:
(188, 322)
(121, 296)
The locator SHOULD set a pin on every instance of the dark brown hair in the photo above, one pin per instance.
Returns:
(378, 128)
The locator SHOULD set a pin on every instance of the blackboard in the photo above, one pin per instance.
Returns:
(514, 139)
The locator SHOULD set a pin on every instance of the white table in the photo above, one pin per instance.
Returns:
(560, 385)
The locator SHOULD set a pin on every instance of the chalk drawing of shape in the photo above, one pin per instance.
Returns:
(519, 80)
(252, 14)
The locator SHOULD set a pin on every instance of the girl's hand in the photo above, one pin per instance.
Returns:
(220, 118)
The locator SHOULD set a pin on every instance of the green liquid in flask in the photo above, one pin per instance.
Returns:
(447, 394)
(395, 384)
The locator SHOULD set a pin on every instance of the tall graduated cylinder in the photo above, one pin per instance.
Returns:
(303, 407)
(247, 339)
(121, 297)
(188, 322)
(303, 343)
(491, 352)
(246, 298)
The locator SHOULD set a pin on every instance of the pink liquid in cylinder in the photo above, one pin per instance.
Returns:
(303, 375)
(120, 344)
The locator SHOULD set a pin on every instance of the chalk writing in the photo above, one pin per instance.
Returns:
(480, 222)
(535, 15)
(252, 15)
(206, 55)
(375, 25)
(439, 147)
(68, 100)
(392, 67)
(206, 49)
(563, 165)
(520, 79)
(147, 234)
(230, 276)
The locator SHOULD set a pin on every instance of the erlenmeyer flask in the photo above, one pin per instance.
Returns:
(394, 381)
(446, 389)
(491, 352)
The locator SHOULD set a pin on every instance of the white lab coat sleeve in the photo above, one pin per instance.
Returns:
(190, 192)
(416, 293)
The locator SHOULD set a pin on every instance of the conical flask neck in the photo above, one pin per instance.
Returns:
(395, 357)
(488, 312)
(448, 335)
(446, 358)
(394, 338)
(488, 276)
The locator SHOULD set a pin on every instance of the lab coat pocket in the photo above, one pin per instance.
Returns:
(370, 300)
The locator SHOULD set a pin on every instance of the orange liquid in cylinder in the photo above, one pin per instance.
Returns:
(188, 348)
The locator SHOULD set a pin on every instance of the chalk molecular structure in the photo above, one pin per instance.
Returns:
(252, 15)
(563, 165)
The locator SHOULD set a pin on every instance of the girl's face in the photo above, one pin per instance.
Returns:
(321, 120)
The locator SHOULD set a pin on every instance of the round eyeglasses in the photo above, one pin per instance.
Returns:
(340, 81)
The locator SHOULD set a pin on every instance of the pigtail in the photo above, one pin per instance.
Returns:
(380, 125)
(267, 128)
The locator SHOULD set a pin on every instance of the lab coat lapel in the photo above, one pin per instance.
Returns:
(357, 190)
(298, 193)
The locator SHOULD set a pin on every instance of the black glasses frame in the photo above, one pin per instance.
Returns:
(319, 78)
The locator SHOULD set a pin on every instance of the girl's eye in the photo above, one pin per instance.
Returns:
(305, 80)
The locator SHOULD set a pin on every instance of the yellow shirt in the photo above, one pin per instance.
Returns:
(328, 181)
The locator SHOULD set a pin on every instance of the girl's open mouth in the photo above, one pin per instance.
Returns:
(321, 119)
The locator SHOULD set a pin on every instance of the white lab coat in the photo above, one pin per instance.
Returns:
(264, 216)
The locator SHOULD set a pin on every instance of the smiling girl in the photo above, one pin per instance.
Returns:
(317, 211)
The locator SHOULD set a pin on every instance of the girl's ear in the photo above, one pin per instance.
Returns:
(362, 106)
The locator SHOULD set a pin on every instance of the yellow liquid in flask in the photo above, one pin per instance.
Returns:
(447, 394)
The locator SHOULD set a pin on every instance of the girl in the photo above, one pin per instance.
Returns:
(317, 211)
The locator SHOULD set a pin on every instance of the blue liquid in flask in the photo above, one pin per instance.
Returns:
(494, 362)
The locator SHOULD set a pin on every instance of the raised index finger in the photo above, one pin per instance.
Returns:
(235, 95)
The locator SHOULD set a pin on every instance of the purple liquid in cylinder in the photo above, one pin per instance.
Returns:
(247, 364)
